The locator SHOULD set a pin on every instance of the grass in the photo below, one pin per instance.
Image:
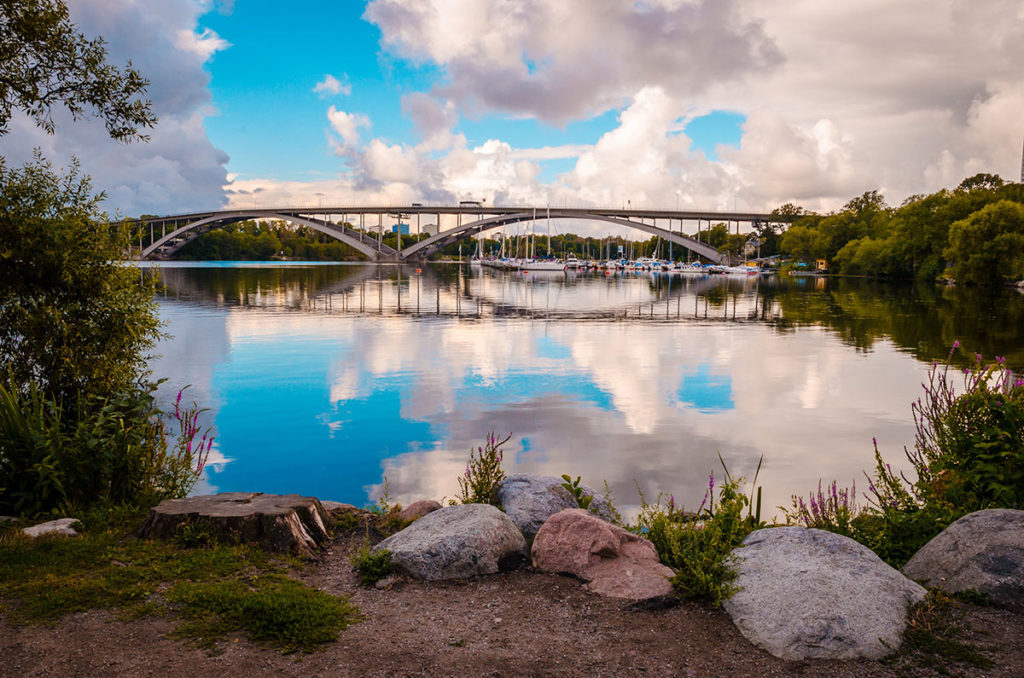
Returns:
(372, 566)
(934, 639)
(213, 590)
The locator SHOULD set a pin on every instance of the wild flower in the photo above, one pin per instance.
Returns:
(968, 454)
(833, 509)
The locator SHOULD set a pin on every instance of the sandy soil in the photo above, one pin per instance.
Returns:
(515, 624)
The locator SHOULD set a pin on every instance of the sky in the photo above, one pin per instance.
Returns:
(689, 104)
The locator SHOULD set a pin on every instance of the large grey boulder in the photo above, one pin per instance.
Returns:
(456, 542)
(982, 551)
(811, 594)
(530, 499)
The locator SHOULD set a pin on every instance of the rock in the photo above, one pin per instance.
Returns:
(7, 519)
(337, 508)
(982, 551)
(530, 499)
(286, 523)
(456, 542)
(811, 594)
(388, 582)
(54, 527)
(417, 510)
(614, 562)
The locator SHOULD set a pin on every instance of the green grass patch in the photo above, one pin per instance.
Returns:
(372, 566)
(934, 640)
(41, 580)
(269, 608)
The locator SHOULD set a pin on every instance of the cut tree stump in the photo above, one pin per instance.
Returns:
(277, 522)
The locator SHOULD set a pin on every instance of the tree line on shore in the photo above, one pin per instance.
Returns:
(973, 234)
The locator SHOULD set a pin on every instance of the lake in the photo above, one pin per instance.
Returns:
(324, 380)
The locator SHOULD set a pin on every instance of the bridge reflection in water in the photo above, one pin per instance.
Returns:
(464, 292)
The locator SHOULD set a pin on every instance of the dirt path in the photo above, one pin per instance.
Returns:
(516, 624)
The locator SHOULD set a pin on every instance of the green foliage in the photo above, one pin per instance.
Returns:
(270, 608)
(261, 241)
(109, 451)
(371, 565)
(74, 320)
(573, 486)
(479, 483)
(868, 238)
(699, 547)
(385, 512)
(46, 62)
(194, 534)
(987, 247)
(968, 455)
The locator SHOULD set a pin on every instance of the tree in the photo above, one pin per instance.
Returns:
(802, 242)
(987, 247)
(45, 61)
(981, 181)
(73, 320)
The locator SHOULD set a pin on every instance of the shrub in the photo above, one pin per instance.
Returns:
(582, 499)
(968, 455)
(110, 451)
(75, 320)
(372, 566)
(479, 484)
(699, 546)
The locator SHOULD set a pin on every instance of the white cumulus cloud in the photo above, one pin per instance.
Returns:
(331, 86)
(179, 169)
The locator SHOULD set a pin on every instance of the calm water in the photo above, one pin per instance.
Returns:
(322, 380)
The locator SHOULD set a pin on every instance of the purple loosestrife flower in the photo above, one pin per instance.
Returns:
(956, 344)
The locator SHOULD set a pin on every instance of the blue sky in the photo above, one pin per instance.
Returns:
(702, 103)
(272, 123)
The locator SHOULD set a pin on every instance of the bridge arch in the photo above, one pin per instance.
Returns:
(428, 246)
(179, 237)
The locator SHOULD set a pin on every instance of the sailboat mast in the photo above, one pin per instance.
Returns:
(549, 231)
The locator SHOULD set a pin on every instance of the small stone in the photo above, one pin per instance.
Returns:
(388, 582)
(417, 510)
(339, 508)
(54, 527)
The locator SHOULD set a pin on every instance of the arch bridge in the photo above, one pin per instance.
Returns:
(162, 236)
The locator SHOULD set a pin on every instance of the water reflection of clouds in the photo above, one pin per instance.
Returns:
(326, 404)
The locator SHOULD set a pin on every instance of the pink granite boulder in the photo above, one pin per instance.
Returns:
(612, 561)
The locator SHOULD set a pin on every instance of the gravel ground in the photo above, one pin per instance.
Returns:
(515, 624)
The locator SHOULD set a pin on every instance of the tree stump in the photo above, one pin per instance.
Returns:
(283, 523)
